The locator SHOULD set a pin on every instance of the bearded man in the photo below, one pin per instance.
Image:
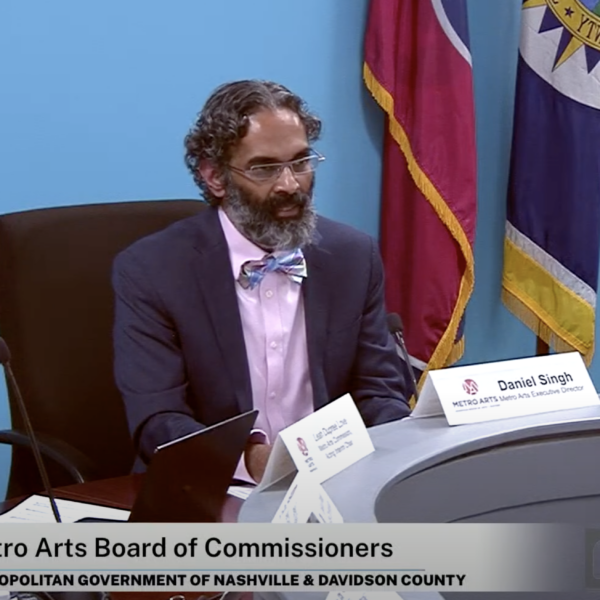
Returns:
(256, 302)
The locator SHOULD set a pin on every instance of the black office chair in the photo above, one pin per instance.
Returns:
(56, 314)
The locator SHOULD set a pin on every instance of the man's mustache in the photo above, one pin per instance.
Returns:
(283, 200)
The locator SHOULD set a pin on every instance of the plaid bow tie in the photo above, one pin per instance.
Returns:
(291, 264)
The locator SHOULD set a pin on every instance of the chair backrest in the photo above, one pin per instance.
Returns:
(56, 315)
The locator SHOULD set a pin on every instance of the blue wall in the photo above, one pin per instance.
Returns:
(96, 98)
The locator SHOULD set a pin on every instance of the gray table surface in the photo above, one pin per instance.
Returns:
(406, 447)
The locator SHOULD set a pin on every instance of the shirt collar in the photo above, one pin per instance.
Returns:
(241, 249)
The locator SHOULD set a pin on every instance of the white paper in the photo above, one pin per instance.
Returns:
(279, 465)
(296, 504)
(505, 389)
(37, 509)
(305, 501)
(240, 491)
(322, 444)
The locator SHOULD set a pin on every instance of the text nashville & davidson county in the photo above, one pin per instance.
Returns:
(111, 581)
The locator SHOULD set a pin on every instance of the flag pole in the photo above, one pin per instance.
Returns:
(542, 347)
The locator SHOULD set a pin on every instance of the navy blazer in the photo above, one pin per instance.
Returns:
(180, 357)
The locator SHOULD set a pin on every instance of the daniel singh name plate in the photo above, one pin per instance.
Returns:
(505, 389)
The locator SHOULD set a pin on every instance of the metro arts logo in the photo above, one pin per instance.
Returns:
(302, 446)
(470, 386)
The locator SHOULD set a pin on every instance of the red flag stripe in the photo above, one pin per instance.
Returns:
(425, 87)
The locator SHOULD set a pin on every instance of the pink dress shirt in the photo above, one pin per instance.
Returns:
(274, 328)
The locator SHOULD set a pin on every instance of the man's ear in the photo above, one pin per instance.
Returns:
(213, 178)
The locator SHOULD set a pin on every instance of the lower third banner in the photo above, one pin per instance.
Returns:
(268, 557)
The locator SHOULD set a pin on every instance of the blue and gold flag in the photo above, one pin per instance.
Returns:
(553, 215)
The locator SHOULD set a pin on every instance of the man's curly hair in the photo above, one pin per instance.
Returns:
(223, 122)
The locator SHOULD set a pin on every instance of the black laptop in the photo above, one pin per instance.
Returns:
(187, 479)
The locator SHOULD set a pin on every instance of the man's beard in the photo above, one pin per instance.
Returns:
(257, 219)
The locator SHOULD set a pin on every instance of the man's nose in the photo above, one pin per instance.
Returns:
(286, 182)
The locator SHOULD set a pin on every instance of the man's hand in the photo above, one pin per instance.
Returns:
(255, 458)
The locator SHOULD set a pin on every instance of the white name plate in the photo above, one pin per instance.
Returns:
(512, 388)
(305, 501)
(322, 444)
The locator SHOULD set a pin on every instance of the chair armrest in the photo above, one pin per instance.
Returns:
(75, 463)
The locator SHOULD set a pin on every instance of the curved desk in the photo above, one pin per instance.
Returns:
(540, 468)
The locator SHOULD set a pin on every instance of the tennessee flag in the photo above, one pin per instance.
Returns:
(553, 214)
(417, 66)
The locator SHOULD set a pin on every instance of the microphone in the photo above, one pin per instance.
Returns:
(5, 361)
(395, 327)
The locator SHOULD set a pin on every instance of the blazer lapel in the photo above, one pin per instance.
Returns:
(315, 290)
(215, 281)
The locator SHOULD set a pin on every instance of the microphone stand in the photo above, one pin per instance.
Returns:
(400, 343)
(29, 428)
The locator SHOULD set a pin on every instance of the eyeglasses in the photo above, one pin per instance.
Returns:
(273, 171)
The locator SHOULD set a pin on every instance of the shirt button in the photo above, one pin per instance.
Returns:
(269, 293)
(273, 345)
(272, 395)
